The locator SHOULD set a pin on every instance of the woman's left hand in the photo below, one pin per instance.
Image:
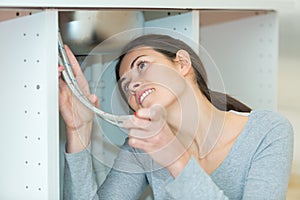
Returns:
(149, 131)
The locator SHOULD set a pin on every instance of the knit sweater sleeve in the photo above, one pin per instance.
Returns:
(126, 179)
(79, 179)
(269, 172)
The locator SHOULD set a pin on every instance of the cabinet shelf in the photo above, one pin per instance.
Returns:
(154, 4)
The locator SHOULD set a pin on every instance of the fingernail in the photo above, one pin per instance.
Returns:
(132, 141)
(135, 114)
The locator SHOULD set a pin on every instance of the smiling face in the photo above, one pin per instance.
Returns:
(149, 77)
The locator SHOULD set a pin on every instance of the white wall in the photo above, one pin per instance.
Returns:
(289, 73)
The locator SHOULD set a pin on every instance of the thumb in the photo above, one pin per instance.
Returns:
(157, 112)
(154, 113)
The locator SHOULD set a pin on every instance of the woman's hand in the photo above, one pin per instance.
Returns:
(77, 117)
(149, 132)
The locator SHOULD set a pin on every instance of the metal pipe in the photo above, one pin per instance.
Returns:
(70, 79)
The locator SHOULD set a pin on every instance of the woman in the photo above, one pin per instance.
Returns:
(186, 141)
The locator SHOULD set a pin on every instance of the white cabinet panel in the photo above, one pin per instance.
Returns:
(186, 24)
(29, 118)
(245, 51)
(166, 4)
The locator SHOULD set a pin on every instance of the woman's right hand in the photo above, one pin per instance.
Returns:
(77, 117)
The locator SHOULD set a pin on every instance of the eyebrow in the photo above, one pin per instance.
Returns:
(132, 64)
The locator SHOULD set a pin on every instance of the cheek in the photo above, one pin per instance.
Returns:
(132, 102)
(166, 77)
(161, 96)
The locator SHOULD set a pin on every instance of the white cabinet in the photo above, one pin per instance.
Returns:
(245, 51)
(242, 44)
(29, 118)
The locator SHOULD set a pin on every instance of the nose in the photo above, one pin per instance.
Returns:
(133, 86)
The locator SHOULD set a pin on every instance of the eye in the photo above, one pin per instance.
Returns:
(141, 65)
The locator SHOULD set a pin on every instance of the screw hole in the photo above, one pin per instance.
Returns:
(26, 137)
(38, 87)
(25, 111)
(37, 35)
(26, 187)
(17, 13)
(39, 138)
(26, 162)
(270, 86)
(25, 86)
(24, 34)
(25, 60)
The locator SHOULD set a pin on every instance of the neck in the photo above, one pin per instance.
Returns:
(196, 122)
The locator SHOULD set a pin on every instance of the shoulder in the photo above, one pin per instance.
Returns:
(270, 126)
(268, 120)
(271, 116)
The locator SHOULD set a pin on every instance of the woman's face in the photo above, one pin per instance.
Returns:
(147, 77)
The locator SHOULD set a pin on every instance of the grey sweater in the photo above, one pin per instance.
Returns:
(257, 167)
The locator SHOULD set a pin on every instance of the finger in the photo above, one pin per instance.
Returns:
(155, 119)
(93, 99)
(143, 113)
(76, 69)
(157, 112)
(96, 103)
(73, 61)
(136, 123)
(140, 134)
(61, 83)
(154, 113)
(138, 143)
(143, 129)
(60, 69)
(63, 87)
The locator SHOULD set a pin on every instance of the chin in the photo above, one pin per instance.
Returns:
(149, 104)
(163, 101)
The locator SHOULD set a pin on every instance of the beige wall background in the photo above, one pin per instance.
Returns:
(289, 74)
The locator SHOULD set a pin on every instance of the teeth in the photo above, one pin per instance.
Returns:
(146, 93)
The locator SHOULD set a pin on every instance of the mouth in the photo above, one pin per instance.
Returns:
(142, 95)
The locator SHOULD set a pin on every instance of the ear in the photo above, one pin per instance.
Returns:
(185, 61)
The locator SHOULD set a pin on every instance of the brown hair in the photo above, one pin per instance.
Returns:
(169, 46)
